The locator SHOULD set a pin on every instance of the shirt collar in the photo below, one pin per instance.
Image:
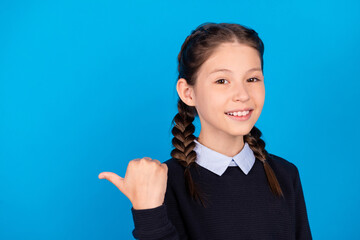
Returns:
(218, 163)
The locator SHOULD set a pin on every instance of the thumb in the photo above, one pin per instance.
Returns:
(114, 179)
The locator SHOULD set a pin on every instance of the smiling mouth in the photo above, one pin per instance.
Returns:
(240, 116)
(239, 113)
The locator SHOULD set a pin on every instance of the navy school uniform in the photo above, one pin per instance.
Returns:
(240, 203)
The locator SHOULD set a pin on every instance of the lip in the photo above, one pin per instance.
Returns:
(240, 110)
(241, 118)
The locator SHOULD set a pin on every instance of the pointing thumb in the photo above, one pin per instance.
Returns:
(114, 179)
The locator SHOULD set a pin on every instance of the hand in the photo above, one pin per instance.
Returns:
(144, 183)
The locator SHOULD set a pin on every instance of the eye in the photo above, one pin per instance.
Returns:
(253, 80)
(221, 81)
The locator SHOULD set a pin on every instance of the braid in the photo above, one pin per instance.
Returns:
(184, 144)
(257, 145)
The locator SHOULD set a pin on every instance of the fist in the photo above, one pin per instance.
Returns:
(144, 183)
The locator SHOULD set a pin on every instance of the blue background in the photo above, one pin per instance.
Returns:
(87, 86)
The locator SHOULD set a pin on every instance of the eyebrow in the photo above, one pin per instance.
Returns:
(227, 70)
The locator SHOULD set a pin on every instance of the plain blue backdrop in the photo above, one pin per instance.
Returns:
(87, 86)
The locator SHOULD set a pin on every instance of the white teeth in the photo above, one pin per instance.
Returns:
(238, 113)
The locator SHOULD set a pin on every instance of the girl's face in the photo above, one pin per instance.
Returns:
(231, 79)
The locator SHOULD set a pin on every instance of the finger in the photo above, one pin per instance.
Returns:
(114, 179)
(157, 161)
(147, 158)
(164, 166)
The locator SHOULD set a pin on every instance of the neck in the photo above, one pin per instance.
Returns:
(227, 145)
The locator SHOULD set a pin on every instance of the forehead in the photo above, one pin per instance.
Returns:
(235, 56)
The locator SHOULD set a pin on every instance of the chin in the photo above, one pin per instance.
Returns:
(242, 132)
(239, 133)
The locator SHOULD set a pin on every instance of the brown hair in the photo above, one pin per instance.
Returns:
(196, 49)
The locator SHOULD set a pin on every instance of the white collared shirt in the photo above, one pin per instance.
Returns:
(218, 163)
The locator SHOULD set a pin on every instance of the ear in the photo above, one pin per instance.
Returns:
(186, 92)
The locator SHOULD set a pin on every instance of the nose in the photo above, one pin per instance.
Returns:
(240, 93)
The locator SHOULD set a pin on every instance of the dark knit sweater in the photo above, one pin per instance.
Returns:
(239, 206)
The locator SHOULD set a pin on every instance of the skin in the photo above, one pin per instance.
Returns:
(145, 179)
(144, 183)
(240, 88)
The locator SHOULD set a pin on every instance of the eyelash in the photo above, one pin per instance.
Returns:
(257, 80)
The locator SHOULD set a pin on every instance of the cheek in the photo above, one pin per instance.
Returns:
(258, 95)
(261, 99)
(210, 104)
(206, 97)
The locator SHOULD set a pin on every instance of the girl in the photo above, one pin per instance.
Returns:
(222, 184)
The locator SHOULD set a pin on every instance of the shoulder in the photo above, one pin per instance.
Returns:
(174, 165)
(176, 178)
(283, 167)
(175, 169)
(281, 162)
